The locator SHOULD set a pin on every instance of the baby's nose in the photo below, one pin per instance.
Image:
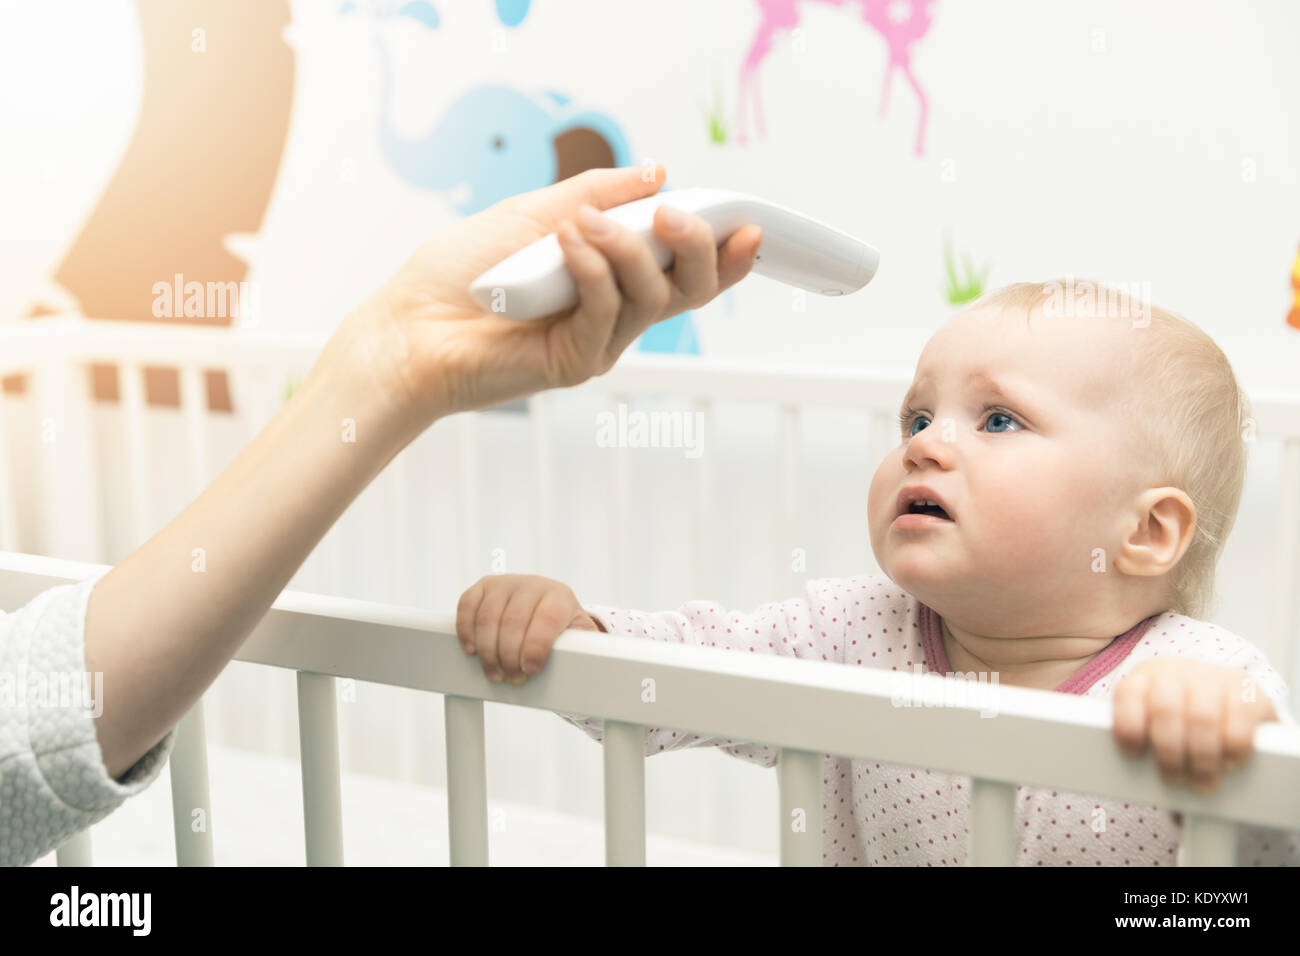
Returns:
(935, 440)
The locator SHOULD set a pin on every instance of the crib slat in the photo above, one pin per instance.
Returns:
(75, 851)
(8, 519)
(189, 773)
(322, 801)
(471, 560)
(70, 523)
(1209, 842)
(130, 386)
(788, 448)
(539, 414)
(618, 492)
(335, 567)
(466, 781)
(705, 581)
(266, 394)
(799, 778)
(193, 407)
(401, 562)
(1286, 564)
(992, 824)
(624, 746)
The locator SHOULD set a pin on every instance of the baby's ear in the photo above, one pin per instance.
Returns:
(1159, 531)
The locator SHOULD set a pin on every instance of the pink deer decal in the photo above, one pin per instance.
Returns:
(901, 22)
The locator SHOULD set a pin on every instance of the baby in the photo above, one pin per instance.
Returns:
(1069, 466)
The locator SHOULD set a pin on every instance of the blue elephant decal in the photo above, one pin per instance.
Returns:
(496, 141)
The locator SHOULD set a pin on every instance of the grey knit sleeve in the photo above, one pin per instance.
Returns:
(53, 783)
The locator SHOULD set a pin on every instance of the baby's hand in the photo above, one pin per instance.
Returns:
(1200, 717)
(511, 622)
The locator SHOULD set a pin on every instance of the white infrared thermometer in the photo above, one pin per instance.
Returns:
(796, 249)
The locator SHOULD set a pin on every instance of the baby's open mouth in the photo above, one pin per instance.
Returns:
(922, 500)
(920, 508)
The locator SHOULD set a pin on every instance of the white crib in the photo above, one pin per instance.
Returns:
(64, 497)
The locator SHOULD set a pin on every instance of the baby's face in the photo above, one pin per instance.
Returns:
(1034, 477)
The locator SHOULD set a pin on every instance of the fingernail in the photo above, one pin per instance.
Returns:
(495, 676)
(594, 223)
(674, 220)
(530, 668)
(518, 680)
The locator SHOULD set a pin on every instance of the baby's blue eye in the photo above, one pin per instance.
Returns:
(1001, 415)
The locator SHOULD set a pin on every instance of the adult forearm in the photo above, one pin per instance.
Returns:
(164, 622)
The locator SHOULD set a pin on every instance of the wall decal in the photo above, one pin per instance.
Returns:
(174, 198)
(901, 23)
(967, 287)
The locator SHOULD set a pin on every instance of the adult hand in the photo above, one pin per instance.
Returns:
(425, 343)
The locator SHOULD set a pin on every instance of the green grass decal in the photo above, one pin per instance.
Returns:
(966, 288)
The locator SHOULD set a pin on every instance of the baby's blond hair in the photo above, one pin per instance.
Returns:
(1188, 410)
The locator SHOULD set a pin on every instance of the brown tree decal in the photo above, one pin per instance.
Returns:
(218, 87)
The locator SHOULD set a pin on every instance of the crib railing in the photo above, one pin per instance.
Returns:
(1000, 736)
